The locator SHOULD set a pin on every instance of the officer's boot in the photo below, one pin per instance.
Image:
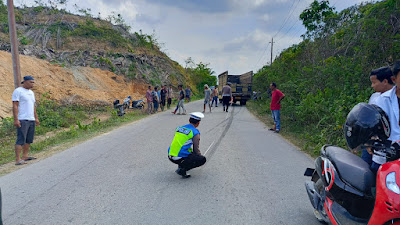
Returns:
(182, 172)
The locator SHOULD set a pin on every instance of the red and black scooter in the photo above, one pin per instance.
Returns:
(343, 189)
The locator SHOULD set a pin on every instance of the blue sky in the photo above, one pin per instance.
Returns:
(231, 35)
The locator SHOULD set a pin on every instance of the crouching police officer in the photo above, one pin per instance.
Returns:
(180, 152)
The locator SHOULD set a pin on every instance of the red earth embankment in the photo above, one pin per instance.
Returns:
(76, 85)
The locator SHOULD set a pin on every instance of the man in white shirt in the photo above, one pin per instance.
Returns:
(25, 119)
(389, 102)
(381, 81)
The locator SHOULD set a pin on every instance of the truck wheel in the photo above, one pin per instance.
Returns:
(242, 102)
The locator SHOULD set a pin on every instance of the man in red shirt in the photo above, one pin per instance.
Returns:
(276, 99)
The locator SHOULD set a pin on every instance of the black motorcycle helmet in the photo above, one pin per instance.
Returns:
(363, 122)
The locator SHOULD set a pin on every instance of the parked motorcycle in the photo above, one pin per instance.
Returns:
(119, 107)
(343, 189)
(139, 104)
(126, 102)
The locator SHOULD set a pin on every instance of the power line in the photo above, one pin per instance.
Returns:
(289, 30)
(287, 18)
(291, 27)
(260, 50)
(265, 50)
(283, 24)
(295, 21)
(291, 11)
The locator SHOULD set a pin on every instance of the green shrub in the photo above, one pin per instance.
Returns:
(325, 76)
(131, 75)
(38, 9)
(107, 62)
(105, 33)
(24, 40)
(3, 13)
(132, 67)
(7, 126)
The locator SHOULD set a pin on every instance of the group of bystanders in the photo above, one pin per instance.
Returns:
(158, 98)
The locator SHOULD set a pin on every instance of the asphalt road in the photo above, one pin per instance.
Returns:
(252, 176)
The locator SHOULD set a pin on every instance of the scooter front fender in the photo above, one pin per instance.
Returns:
(387, 203)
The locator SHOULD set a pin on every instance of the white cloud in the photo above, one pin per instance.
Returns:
(265, 17)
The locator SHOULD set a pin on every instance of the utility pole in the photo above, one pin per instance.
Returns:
(14, 43)
(272, 48)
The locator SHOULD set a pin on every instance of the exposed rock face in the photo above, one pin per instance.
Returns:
(155, 70)
(82, 60)
(72, 40)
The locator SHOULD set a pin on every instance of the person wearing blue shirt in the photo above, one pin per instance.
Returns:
(156, 99)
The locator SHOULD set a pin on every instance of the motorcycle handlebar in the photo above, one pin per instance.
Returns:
(391, 150)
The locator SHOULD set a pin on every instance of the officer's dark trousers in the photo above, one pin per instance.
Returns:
(190, 162)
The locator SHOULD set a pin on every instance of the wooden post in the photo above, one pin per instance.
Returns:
(14, 43)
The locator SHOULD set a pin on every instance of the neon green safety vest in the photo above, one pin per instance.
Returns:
(181, 145)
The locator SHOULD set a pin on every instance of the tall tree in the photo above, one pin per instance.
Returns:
(202, 75)
(315, 17)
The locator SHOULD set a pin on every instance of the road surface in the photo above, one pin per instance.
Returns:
(252, 176)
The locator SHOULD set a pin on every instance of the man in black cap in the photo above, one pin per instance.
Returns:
(25, 119)
(180, 152)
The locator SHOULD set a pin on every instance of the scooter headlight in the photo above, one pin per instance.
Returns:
(391, 183)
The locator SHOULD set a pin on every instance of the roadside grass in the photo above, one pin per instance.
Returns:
(61, 136)
(196, 97)
(290, 131)
(85, 131)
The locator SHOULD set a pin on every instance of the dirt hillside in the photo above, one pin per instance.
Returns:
(82, 85)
